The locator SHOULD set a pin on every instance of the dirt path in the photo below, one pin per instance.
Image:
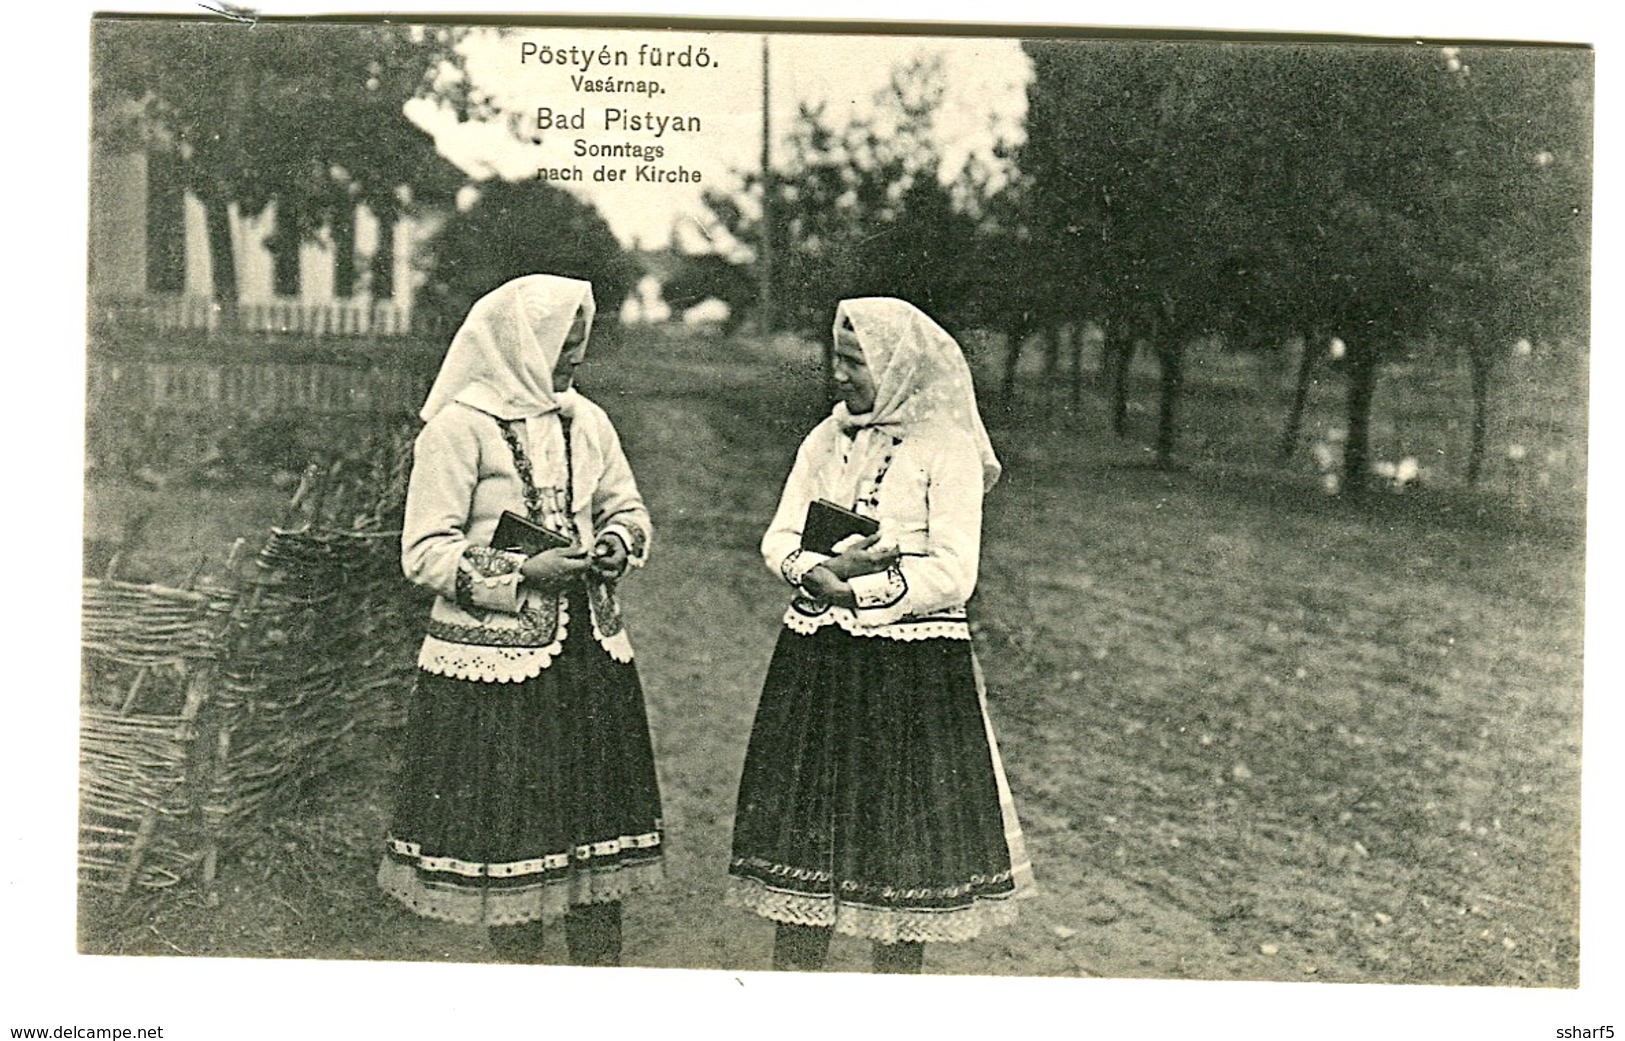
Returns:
(1253, 734)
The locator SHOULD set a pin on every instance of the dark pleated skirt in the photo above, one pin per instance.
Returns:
(518, 801)
(872, 799)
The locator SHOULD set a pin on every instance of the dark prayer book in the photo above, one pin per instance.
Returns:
(828, 524)
(525, 536)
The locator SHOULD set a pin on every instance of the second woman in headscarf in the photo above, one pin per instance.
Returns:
(872, 800)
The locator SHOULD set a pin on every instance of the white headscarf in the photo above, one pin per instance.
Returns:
(501, 360)
(919, 374)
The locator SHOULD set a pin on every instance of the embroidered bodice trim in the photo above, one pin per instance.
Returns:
(487, 645)
(492, 655)
(891, 590)
(535, 509)
(867, 501)
(807, 616)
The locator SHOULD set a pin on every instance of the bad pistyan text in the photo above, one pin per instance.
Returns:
(620, 120)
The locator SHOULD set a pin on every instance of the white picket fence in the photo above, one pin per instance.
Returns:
(334, 318)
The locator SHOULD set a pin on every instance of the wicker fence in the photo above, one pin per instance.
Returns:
(206, 710)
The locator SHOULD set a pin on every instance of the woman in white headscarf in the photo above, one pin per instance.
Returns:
(528, 790)
(872, 800)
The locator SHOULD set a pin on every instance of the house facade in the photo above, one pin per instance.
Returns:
(150, 262)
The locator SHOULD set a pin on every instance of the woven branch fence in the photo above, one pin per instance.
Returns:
(208, 710)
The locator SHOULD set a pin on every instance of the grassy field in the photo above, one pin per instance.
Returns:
(1254, 732)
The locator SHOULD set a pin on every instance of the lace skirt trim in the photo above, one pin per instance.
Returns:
(543, 900)
(880, 924)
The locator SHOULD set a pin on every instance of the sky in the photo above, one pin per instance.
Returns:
(984, 100)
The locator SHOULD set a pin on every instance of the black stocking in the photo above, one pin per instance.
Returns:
(899, 957)
(592, 932)
(517, 943)
(800, 948)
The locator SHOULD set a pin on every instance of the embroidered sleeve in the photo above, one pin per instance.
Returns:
(488, 580)
(435, 550)
(794, 568)
(617, 506)
(633, 538)
(881, 589)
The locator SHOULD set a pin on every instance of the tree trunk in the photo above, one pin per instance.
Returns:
(344, 271)
(1015, 335)
(1076, 338)
(222, 260)
(1052, 352)
(1362, 389)
(1171, 369)
(1117, 357)
(1481, 363)
(283, 242)
(166, 225)
(1300, 398)
(383, 259)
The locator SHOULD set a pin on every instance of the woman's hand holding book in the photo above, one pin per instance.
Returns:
(823, 584)
(552, 568)
(867, 556)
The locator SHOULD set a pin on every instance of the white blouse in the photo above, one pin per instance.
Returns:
(925, 489)
(486, 623)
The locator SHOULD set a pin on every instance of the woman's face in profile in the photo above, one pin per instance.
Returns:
(854, 383)
(571, 354)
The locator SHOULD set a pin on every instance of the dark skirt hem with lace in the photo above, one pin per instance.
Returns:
(516, 801)
(872, 799)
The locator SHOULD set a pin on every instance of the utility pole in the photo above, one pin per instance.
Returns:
(765, 259)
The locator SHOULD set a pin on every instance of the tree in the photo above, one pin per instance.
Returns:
(1262, 191)
(1515, 147)
(861, 209)
(1124, 151)
(697, 277)
(1012, 280)
(1354, 215)
(306, 117)
(1431, 202)
(520, 228)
